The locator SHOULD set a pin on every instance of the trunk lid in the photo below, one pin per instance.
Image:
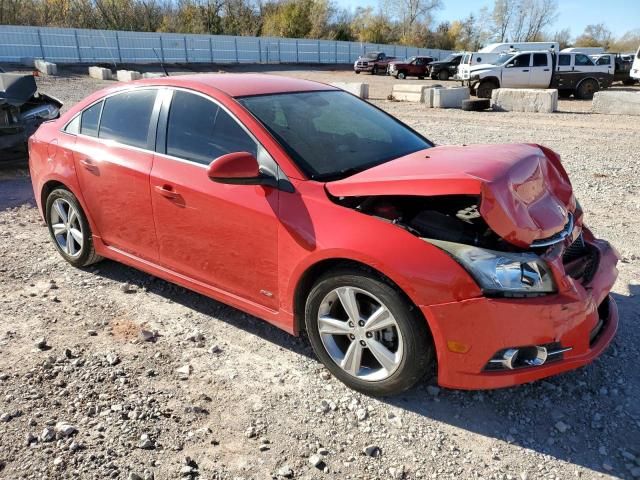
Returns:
(525, 193)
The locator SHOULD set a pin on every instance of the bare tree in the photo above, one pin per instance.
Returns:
(503, 13)
(595, 36)
(411, 13)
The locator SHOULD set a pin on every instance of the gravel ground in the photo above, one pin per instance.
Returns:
(111, 373)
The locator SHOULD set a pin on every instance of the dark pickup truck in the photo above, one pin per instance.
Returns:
(372, 62)
(445, 69)
(417, 66)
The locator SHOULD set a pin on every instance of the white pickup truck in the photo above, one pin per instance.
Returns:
(635, 68)
(571, 73)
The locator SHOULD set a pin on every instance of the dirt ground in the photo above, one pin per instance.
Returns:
(218, 394)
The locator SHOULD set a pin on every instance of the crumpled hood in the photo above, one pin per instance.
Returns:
(525, 193)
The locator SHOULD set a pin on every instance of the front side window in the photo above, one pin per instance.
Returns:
(583, 60)
(89, 120)
(126, 117)
(539, 59)
(564, 60)
(502, 59)
(200, 131)
(521, 61)
(332, 134)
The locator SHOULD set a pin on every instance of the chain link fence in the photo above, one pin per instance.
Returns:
(70, 45)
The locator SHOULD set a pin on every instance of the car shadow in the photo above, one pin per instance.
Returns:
(594, 403)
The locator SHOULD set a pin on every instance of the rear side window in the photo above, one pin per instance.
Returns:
(539, 59)
(89, 120)
(73, 127)
(583, 60)
(201, 131)
(564, 60)
(603, 61)
(126, 117)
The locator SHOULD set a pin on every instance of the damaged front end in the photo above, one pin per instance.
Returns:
(511, 222)
(22, 110)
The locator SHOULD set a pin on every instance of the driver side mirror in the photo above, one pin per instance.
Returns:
(239, 168)
(509, 65)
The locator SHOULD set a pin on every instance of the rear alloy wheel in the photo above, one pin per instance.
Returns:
(443, 75)
(366, 334)
(69, 229)
(587, 88)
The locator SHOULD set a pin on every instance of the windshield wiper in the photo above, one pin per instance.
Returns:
(339, 175)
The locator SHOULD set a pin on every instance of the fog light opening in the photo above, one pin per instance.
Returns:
(526, 356)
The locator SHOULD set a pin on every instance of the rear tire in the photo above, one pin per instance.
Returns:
(403, 342)
(69, 228)
(443, 75)
(356, 72)
(586, 89)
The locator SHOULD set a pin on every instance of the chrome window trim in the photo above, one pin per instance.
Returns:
(162, 90)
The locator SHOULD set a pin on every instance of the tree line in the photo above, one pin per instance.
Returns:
(404, 22)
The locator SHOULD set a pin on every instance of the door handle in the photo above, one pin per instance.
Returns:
(166, 191)
(546, 69)
(525, 70)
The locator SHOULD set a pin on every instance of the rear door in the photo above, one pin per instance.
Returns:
(540, 76)
(222, 235)
(113, 154)
(516, 72)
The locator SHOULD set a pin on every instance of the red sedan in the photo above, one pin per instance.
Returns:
(303, 205)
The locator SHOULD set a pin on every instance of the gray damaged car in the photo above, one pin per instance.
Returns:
(22, 110)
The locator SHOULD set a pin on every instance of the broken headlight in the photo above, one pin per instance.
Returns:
(46, 111)
(510, 274)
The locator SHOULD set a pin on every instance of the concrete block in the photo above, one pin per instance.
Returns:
(406, 92)
(100, 73)
(358, 89)
(153, 75)
(450, 97)
(524, 100)
(128, 75)
(47, 68)
(616, 103)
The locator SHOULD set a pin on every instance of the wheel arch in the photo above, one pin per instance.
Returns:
(48, 187)
(54, 182)
(582, 80)
(310, 276)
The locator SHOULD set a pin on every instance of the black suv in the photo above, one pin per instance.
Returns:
(445, 69)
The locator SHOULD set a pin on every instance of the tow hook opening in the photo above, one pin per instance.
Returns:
(528, 356)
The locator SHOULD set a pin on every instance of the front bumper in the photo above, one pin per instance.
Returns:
(368, 68)
(489, 325)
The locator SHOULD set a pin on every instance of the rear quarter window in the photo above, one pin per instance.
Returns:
(89, 120)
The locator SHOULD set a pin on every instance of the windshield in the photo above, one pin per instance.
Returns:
(450, 58)
(332, 134)
(503, 58)
(371, 56)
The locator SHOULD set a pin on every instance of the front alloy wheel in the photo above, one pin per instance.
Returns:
(366, 332)
(359, 333)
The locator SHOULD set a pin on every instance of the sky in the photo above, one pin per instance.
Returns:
(620, 16)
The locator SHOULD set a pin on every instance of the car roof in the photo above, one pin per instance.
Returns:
(240, 84)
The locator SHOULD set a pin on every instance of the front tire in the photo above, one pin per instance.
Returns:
(375, 70)
(69, 228)
(485, 89)
(443, 75)
(366, 333)
(401, 76)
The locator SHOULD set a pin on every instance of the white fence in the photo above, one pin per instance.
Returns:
(70, 45)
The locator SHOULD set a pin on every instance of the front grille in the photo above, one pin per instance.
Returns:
(580, 260)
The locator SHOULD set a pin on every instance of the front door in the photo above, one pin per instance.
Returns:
(113, 158)
(516, 72)
(222, 235)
